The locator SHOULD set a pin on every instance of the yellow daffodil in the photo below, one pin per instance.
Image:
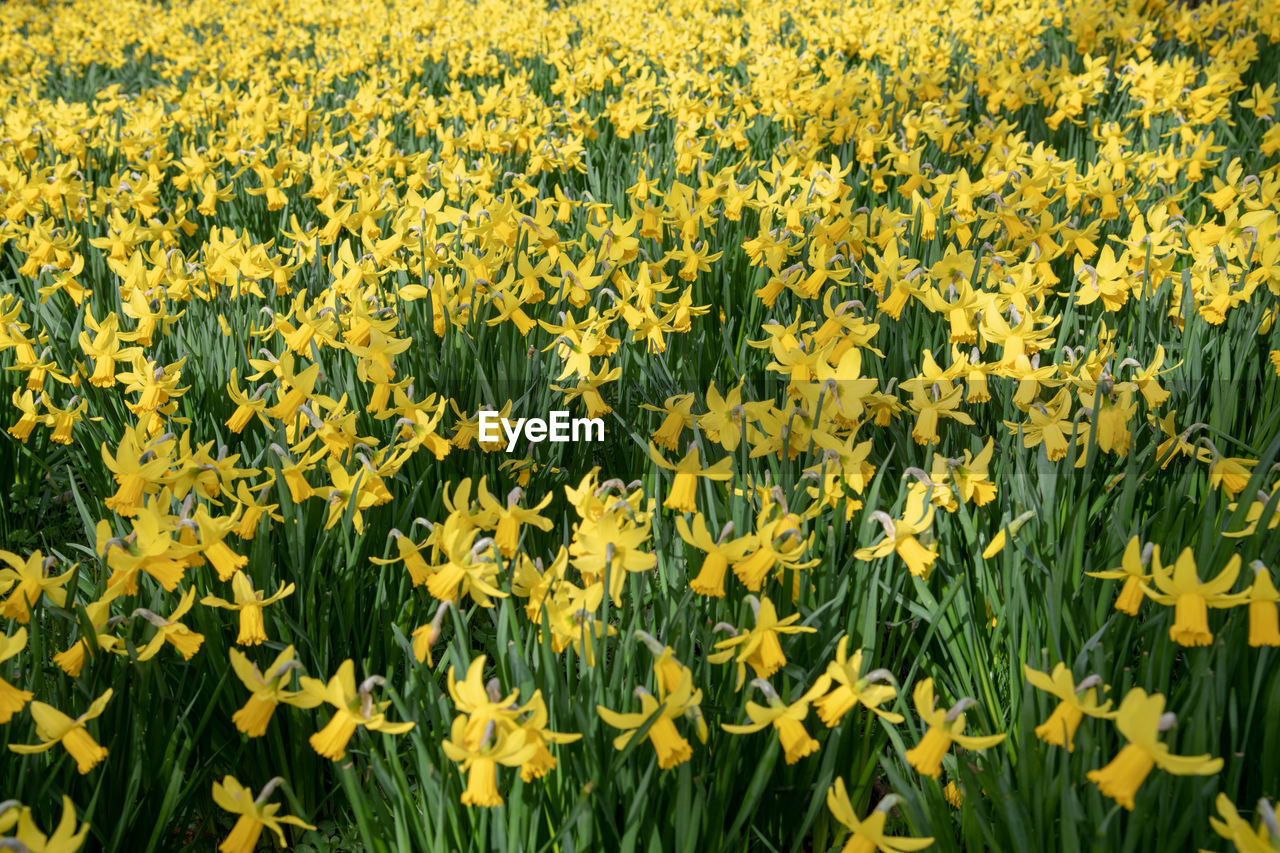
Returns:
(98, 613)
(672, 749)
(852, 688)
(1192, 598)
(26, 581)
(1141, 719)
(536, 732)
(1253, 517)
(425, 636)
(1230, 473)
(1060, 728)
(615, 541)
(1237, 830)
(54, 727)
(512, 517)
(487, 716)
(669, 671)
(249, 602)
(868, 834)
(266, 691)
(944, 727)
(788, 720)
(1133, 570)
(780, 545)
(679, 417)
(1264, 609)
(27, 836)
(470, 564)
(758, 647)
(410, 553)
(903, 536)
(353, 707)
(998, 542)
(253, 814)
(481, 762)
(12, 700)
(684, 486)
(971, 475)
(170, 630)
(719, 553)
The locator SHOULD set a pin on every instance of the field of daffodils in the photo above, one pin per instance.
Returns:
(839, 425)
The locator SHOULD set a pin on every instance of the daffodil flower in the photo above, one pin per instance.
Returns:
(425, 636)
(249, 602)
(853, 688)
(54, 727)
(998, 542)
(251, 509)
(12, 700)
(672, 749)
(1231, 473)
(940, 400)
(267, 691)
(1133, 571)
(481, 702)
(138, 466)
(353, 707)
(868, 834)
(29, 839)
(469, 566)
(684, 486)
(724, 421)
(679, 417)
(614, 541)
(410, 553)
(787, 719)
(1049, 424)
(536, 732)
(1253, 517)
(489, 717)
(1238, 831)
(1192, 598)
(26, 582)
(1060, 728)
(254, 814)
(247, 407)
(1141, 718)
(150, 548)
(902, 535)
(225, 561)
(512, 517)
(780, 544)
(758, 647)
(971, 475)
(98, 613)
(170, 630)
(945, 727)
(669, 671)
(719, 553)
(570, 613)
(481, 763)
(1264, 609)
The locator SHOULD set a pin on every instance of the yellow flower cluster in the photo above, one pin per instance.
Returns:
(875, 266)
